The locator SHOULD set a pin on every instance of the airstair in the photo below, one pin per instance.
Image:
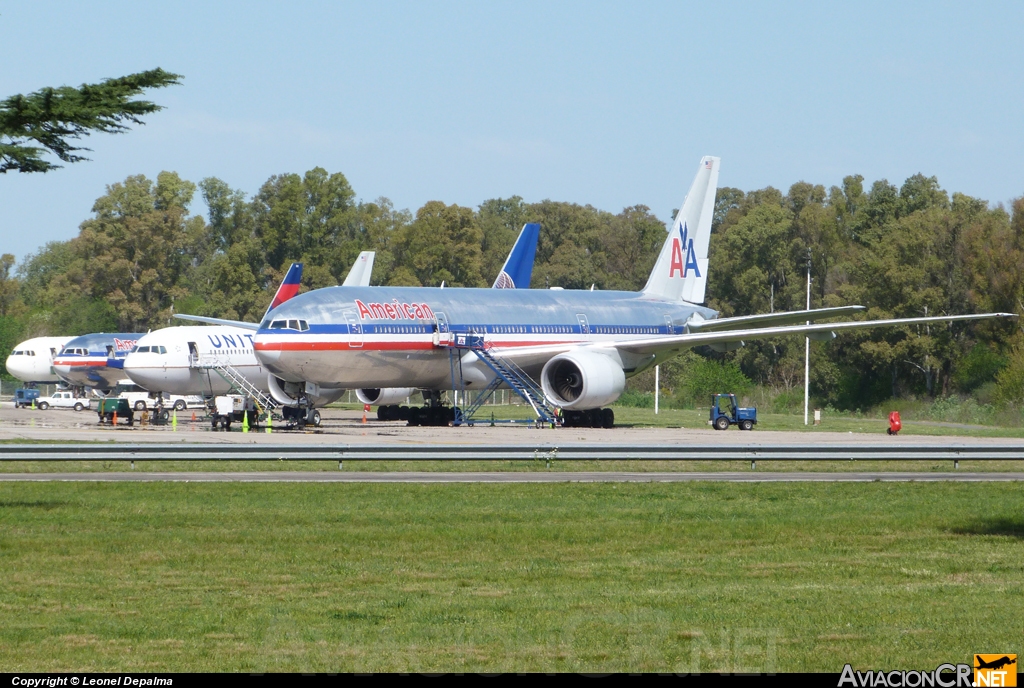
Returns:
(264, 402)
(507, 373)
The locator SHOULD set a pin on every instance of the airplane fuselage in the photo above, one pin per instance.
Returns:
(357, 337)
(95, 360)
(183, 360)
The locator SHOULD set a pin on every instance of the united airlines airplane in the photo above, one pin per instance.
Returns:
(580, 345)
(32, 359)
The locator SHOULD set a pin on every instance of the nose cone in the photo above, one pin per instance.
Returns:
(16, 367)
(142, 370)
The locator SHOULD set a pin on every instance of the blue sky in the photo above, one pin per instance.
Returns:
(610, 104)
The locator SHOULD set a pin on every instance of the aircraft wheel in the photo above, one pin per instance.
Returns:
(414, 416)
(403, 413)
(607, 418)
(721, 423)
(594, 418)
(213, 423)
(43, 406)
(164, 415)
(314, 418)
(746, 425)
(382, 413)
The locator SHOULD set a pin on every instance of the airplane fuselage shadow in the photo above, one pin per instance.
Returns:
(1012, 526)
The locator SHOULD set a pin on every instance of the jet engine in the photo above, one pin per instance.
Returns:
(293, 393)
(384, 396)
(582, 380)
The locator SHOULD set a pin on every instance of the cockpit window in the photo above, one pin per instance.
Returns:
(163, 349)
(143, 349)
(300, 325)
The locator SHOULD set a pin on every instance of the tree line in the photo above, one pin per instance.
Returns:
(902, 251)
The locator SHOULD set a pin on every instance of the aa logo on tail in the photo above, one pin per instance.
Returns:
(677, 262)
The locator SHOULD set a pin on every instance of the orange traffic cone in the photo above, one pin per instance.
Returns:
(114, 421)
(366, 407)
(193, 416)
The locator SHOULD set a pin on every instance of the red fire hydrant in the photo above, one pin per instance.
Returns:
(895, 425)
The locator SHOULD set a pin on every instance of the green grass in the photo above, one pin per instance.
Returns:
(586, 577)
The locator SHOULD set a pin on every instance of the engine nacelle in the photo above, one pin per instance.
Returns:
(384, 396)
(290, 393)
(582, 380)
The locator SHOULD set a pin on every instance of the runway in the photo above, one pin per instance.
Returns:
(511, 477)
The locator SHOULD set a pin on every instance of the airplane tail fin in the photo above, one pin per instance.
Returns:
(359, 274)
(518, 267)
(289, 287)
(681, 271)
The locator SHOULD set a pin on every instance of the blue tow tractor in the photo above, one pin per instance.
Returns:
(725, 412)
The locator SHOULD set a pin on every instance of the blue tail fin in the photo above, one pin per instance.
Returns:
(518, 268)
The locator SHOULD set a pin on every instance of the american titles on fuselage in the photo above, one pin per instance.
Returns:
(395, 310)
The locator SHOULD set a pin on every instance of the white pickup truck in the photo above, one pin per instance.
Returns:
(63, 400)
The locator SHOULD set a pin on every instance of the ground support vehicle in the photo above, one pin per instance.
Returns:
(111, 407)
(63, 400)
(143, 401)
(725, 412)
(25, 396)
(231, 408)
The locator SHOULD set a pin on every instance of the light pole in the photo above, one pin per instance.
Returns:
(807, 343)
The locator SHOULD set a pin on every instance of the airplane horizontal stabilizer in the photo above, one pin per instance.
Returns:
(219, 321)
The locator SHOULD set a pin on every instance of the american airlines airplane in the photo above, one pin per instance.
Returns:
(95, 360)
(173, 366)
(32, 359)
(580, 345)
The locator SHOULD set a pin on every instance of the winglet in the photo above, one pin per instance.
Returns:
(518, 267)
(682, 268)
(289, 287)
(359, 274)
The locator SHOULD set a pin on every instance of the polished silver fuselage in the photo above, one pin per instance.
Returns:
(357, 337)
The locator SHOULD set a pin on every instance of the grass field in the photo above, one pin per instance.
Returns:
(654, 577)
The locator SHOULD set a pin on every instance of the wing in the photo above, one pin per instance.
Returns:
(784, 318)
(532, 356)
(654, 345)
(219, 321)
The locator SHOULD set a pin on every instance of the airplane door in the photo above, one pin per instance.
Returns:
(443, 333)
(193, 353)
(584, 324)
(355, 330)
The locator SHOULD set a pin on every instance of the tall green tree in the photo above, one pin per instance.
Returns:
(50, 119)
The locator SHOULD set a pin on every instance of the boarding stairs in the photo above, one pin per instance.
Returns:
(506, 372)
(264, 402)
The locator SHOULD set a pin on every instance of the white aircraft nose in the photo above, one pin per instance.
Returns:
(20, 367)
(142, 374)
